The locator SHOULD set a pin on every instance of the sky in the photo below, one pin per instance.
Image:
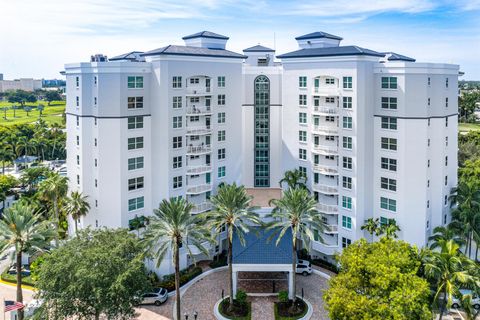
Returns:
(39, 36)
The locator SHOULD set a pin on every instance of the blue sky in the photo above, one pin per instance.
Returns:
(40, 36)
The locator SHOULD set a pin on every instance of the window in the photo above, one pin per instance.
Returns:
(428, 163)
(78, 179)
(347, 82)
(303, 170)
(302, 99)
(221, 82)
(445, 200)
(302, 82)
(347, 163)
(446, 82)
(221, 117)
(330, 99)
(446, 180)
(77, 82)
(346, 242)
(136, 203)
(389, 164)
(302, 117)
(262, 131)
(388, 204)
(95, 80)
(135, 82)
(135, 143)
(347, 122)
(347, 102)
(302, 136)
(135, 163)
(96, 163)
(330, 119)
(329, 81)
(389, 123)
(221, 99)
(221, 172)
(388, 184)
(135, 122)
(428, 204)
(135, 183)
(135, 102)
(221, 135)
(347, 182)
(389, 82)
(177, 142)
(94, 141)
(428, 81)
(177, 102)
(177, 122)
(389, 143)
(329, 138)
(346, 202)
(221, 154)
(177, 182)
(194, 99)
(177, 162)
(446, 122)
(77, 101)
(428, 122)
(194, 118)
(428, 101)
(347, 222)
(446, 102)
(446, 141)
(177, 82)
(389, 103)
(194, 80)
(347, 142)
(95, 121)
(302, 154)
(78, 140)
(78, 160)
(78, 121)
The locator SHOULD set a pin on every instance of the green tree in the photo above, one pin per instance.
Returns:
(21, 230)
(7, 182)
(27, 110)
(77, 206)
(6, 155)
(378, 281)
(97, 273)
(372, 226)
(40, 109)
(22, 97)
(171, 227)
(442, 234)
(390, 229)
(294, 178)
(31, 176)
(232, 210)
(52, 96)
(4, 109)
(467, 105)
(53, 189)
(25, 146)
(295, 211)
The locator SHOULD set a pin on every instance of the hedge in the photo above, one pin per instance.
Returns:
(186, 275)
(12, 278)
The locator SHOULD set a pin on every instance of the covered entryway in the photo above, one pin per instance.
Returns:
(261, 266)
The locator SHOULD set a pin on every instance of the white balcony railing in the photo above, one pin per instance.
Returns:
(198, 169)
(327, 91)
(325, 169)
(325, 150)
(202, 207)
(199, 149)
(325, 189)
(330, 229)
(201, 188)
(325, 130)
(199, 130)
(198, 111)
(325, 248)
(327, 209)
(330, 111)
(198, 91)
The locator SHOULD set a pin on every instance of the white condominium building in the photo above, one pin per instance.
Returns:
(375, 132)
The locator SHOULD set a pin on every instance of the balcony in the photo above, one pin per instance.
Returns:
(328, 248)
(327, 209)
(199, 111)
(325, 169)
(330, 190)
(326, 111)
(325, 130)
(197, 150)
(330, 229)
(202, 207)
(326, 91)
(200, 130)
(198, 189)
(193, 170)
(324, 150)
(198, 91)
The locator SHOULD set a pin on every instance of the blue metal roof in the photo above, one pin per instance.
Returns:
(127, 56)
(331, 51)
(258, 48)
(258, 251)
(398, 57)
(318, 34)
(205, 34)
(193, 51)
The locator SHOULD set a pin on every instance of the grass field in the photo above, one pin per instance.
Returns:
(463, 127)
(51, 114)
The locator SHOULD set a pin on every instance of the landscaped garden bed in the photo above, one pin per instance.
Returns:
(240, 311)
(283, 310)
(12, 278)
(186, 275)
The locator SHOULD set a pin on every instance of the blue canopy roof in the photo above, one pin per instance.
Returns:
(206, 34)
(331, 51)
(258, 48)
(318, 34)
(258, 250)
(193, 51)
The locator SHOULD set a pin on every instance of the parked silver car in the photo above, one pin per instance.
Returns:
(456, 302)
(156, 297)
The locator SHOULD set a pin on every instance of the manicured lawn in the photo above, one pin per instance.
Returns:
(13, 279)
(52, 113)
(468, 126)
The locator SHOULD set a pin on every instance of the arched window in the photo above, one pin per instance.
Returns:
(262, 132)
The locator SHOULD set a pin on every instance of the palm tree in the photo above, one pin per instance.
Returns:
(449, 269)
(31, 176)
(442, 235)
(41, 145)
(172, 227)
(232, 210)
(296, 211)
(294, 178)
(6, 155)
(77, 206)
(21, 230)
(390, 229)
(4, 109)
(25, 145)
(53, 189)
(372, 226)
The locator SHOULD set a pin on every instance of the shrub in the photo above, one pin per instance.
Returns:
(303, 254)
(283, 296)
(219, 260)
(325, 264)
(186, 275)
(241, 297)
(12, 278)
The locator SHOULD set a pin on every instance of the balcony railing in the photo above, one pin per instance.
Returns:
(325, 169)
(325, 130)
(199, 130)
(325, 189)
(192, 170)
(330, 111)
(328, 90)
(198, 111)
(201, 188)
(202, 207)
(199, 149)
(326, 248)
(327, 209)
(325, 150)
(330, 229)
(198, 91)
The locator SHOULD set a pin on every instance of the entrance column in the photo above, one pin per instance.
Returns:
(291, 294)
(234, 280)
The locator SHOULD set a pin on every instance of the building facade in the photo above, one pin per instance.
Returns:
(26, 84)
(375, 132)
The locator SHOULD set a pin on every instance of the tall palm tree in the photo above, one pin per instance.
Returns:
(77, 206)
(443, 234)
(390, 229)
(449, 269)
(54, 188)
(294, 178)
(372, 226)
(40, 146)
(172, 227)
(31, 176)
(6, 155)
(26, 145)
(21, 230)
(295, 211)
(232, 210)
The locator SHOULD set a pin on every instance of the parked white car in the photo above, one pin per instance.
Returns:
(156, 297)
(304, 267)
(457, 303)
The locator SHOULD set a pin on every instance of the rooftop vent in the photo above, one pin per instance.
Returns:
(98, 58)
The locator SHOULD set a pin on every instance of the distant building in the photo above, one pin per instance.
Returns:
(27, 84)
